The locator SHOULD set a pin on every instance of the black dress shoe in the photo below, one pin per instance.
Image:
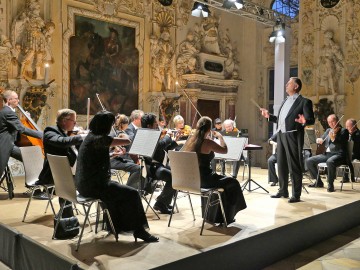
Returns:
(273, 184)
(345, 180)
(162, 208)
(331, 189)
(319, 184)
(294, 200)
(145, 236)
(279, 195)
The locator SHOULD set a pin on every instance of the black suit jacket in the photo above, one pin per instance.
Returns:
(56, 142)
(301, 106)
(10, 129)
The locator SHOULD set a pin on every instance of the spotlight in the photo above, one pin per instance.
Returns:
(200, 10)
(233, 3)
(278, 32)
(165, 2)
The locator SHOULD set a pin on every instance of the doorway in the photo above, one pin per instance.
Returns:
(209, 108)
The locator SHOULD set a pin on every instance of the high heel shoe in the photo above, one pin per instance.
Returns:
(145, 236)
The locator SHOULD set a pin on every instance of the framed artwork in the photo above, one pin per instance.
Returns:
(103, 64)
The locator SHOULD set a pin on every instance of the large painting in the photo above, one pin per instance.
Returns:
(103, 60)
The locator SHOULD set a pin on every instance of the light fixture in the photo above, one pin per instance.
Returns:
(165, 2)
(200, 10)
(233, 3)
(278, 33)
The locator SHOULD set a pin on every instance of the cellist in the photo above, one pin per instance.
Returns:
(11, 128)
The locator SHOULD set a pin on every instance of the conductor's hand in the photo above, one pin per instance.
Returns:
(301, 119)
(265, 112)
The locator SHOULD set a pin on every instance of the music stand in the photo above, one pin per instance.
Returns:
(249, 148)
(144, 145)
(9, 182)
(235, 148)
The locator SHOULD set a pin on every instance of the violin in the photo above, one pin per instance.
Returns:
(184, 133)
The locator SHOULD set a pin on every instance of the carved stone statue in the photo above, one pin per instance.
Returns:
(162, 53)
(187, 59)
(211, 35)
(330, 66)
(34, 36)
(5, 56)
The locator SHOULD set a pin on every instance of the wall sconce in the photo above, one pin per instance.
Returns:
(233, 3)
(200, 10)
(278, 33)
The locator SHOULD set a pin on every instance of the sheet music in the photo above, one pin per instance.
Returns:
(235, 147)
(145, 142)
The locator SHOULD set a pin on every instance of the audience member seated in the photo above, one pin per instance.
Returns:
(335, 141)
(93, 179)
(157, 168)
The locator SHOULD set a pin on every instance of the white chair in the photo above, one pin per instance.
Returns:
(65, 188)
(345, 167)
(186, 178)
(33, 160)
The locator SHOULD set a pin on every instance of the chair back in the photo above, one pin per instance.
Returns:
(33, 160)
(185, 171)
(63, 178)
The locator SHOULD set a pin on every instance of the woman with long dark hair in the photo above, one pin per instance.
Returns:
(232, 197)
(93, 179)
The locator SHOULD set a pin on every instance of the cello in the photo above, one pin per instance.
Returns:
(29, 123)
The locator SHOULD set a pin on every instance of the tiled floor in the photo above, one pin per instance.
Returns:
(182, 239)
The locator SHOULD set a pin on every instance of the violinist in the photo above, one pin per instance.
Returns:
(58, 142)
(231, 130)
(218, 126)
(162, 123)
(354, 135)
(335, 141)
(10, 129)
(184, 131)
(135, 118)
(121, 160)
(157, 169)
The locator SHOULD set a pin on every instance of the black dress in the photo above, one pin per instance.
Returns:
(232, 197)
(93, 179)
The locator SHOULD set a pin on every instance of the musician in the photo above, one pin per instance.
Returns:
(295, 113)
(157, 168)
(183, 130)
(335, 141)
(233, 198)
(218, 125)
(135, 118)
(121, 159)
(272, 160)
(10, 130)
(229, 129)
(57, 142)
(162, 122)
(354, 135)
(93, 179)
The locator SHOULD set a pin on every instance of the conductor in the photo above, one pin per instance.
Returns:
(295, 113)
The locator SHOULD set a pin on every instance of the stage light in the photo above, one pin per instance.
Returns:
(233, 3)
(278, 33)
(200, 10)
(165, 2)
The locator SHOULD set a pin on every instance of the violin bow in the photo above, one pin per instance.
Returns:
(192, 104)
(104, 109)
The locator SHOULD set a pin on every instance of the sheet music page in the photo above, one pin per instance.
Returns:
(145, 142)
(235, 147)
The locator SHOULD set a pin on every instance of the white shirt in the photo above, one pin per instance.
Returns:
(284, 112)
